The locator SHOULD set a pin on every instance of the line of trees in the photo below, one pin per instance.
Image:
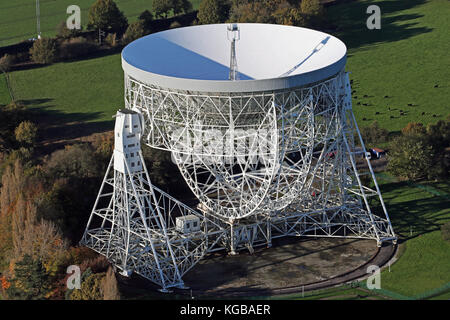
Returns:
(162, 8)
(43, 208)
(288, 12)
(105, 16)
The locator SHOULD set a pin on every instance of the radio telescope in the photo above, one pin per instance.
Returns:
(258, 119)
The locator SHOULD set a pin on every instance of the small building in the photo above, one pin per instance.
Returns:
(187, 224)
(377, 153)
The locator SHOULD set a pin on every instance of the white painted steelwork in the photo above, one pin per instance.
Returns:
(299, 172)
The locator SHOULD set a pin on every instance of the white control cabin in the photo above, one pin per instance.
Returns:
(188, 224)
(127, 135)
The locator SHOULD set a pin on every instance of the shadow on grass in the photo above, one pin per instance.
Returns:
(412, 218)
(99, 53)
(57, 128)
(350, 22)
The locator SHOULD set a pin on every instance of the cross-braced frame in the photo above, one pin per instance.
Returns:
(262, 165)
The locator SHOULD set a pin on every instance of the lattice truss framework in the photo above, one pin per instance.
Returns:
(285, 164)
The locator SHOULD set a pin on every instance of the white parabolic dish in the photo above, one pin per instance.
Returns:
(269, 57)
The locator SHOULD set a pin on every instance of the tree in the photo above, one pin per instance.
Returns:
(414, 128)
(21, 233)
(146, 17)
(97, 264)
(311, 7)
(251, 12)
(73, 175)
(262, 11)
(162, 8)
(43, 51)
(65, 33)
(13, 182)
(374, 134)
(110, 287)
(180, 6)
(30, 282)
(76, 47)
(312, 11)
(111, 39)
(284, 13)
(411, 157)
(6, 62)
(439, 133)
(104, 146)
(105, 15)
(77, 255)
(91, 287)
(134, 31)
(212, 11)
(77, 161)
(438, 136)
(10, 117)
(41, 240)
(26, 133)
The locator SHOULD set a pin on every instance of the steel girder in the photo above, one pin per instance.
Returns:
(307, 180)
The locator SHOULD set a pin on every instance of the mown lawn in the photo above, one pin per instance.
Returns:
(417, 214)
(404, 60)
(86, 90)
(18, 18)
(424, 266)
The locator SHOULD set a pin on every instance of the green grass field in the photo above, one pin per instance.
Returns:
(417, 213)
(85, 90)
(18, 18)
(404, 60)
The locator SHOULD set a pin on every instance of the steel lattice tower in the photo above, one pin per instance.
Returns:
(263, 164)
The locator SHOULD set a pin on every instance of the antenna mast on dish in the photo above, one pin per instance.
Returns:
(233, 34)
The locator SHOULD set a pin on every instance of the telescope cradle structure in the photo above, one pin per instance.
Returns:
(273, 152)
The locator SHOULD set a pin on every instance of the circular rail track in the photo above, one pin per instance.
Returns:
(380, 257)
